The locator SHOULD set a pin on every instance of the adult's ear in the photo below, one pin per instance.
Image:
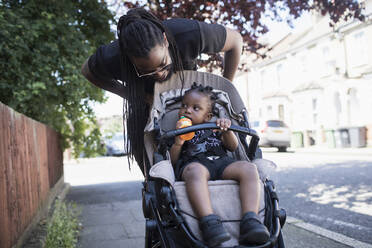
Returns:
(165, 40)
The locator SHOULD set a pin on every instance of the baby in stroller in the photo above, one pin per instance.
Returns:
(171, 220)
(204, 158)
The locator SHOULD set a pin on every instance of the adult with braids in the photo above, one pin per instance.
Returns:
(149, 50)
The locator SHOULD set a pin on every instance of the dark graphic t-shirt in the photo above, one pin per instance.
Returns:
(212, 141)
(205, 142)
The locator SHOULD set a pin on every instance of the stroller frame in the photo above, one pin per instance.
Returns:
(164, 223)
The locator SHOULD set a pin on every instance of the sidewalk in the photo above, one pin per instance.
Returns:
(108, 222)
(113, 223)
(362, 151)
(112, 212)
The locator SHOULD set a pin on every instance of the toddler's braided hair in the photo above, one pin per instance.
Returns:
(208, 92)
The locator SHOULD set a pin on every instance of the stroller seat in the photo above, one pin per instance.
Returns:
(170, 220)
(225, 200)
(224, 196)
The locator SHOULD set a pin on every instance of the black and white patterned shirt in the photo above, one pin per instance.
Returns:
(211, 142)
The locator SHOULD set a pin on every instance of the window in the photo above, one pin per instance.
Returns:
(304, 67)
(326, 52)
(303, 62)
(281, 112)
(329, 61)
(280, 74)
(315, 112)
(269, 111)
(263, 79)
(314, 104)
(315, 118)
(268, 79)
(357, 49)
(337, 107)
(353, 109)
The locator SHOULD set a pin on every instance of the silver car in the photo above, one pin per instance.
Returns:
(273, 133)
(115, 145)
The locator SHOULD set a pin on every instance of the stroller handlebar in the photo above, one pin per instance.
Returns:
(236, 128)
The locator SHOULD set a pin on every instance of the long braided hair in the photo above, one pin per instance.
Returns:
(138, 32)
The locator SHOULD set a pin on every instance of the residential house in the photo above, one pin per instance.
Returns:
(318, 81)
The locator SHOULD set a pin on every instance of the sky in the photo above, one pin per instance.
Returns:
(113, 106)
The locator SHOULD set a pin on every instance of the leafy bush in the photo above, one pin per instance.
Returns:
(63, 226)
(42, 47)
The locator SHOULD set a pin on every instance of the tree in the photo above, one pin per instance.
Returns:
(42, 47)
(248, 16)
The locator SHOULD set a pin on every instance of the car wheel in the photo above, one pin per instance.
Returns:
(258, 153)
(282, 149)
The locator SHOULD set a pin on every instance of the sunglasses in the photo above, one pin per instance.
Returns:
(164, 68)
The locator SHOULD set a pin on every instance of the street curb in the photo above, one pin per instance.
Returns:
(327, 233)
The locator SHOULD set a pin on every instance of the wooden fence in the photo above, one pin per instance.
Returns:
(31, 162)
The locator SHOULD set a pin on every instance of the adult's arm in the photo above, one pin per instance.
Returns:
(233, 49)
(216, 38)
(111, 85)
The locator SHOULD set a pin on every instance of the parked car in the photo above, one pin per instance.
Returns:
(115, 145)
(273, 133)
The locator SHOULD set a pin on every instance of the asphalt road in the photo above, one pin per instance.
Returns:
(333, 191)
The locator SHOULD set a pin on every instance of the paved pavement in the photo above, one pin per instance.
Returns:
(110, 197)
(109, 221)
(321, 149)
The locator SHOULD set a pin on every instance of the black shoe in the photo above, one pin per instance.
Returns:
(212, 230)
(252, 231)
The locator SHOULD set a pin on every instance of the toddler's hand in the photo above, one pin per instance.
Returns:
(223, 123)
(177, 140)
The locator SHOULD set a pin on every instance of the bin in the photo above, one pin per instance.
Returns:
(330, 138)
(358, 136)
(297, 140)
(342, 138)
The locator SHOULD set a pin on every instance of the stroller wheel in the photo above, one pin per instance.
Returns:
(282, 216)
(152, 239)
(151, 225)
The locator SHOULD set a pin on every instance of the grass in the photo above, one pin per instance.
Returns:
(63, 226)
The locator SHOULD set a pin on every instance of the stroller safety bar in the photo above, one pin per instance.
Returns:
(251, 149)
(173, 133)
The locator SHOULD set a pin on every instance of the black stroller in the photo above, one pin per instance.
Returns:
(170, 221)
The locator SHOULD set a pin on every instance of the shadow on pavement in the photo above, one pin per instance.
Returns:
(105, 192)
(335, 196)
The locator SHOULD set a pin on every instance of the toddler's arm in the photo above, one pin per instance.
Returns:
(175, 150)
